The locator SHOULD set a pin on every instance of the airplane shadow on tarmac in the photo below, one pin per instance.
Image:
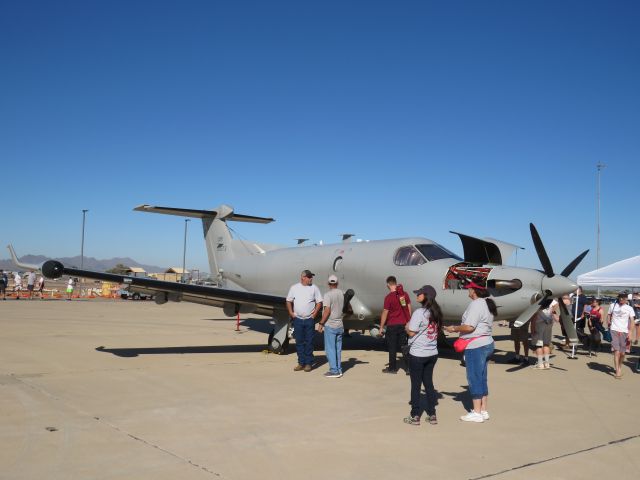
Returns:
(464, 397)
(134, 352)
(355, 341)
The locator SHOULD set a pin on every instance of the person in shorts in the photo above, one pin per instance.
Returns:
(520, 335)
(541, 335)
(17, 284)
(31, 283)
(621, 318)
(70, 284)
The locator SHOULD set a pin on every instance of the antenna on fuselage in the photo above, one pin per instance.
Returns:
(346, 237)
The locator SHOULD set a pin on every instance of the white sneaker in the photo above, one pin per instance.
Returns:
(485, 415)
(472, 417)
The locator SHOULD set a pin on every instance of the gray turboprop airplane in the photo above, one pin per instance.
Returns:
(253, 277)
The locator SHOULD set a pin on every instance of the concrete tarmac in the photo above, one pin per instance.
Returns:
(132, 390)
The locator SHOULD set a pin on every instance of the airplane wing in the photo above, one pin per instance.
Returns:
(232, 301)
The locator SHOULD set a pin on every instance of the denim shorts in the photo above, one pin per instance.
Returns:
(476, 360)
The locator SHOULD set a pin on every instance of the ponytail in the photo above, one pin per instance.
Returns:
(491, 305)
(436, 312)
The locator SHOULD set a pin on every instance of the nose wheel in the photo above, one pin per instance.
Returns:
(277, 345)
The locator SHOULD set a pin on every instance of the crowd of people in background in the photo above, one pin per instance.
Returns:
(414, 334)
(34, 285)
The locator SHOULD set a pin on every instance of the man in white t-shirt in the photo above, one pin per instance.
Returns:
(17, 284)
(620, 318)
(304, 301)
(31, 282)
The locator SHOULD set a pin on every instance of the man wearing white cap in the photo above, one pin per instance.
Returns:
(331, 324)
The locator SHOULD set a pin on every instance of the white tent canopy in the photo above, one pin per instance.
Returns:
(625, 273)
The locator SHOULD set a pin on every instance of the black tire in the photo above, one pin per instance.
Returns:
(274, 345)
(136, 296)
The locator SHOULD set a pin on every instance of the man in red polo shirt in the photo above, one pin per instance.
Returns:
(395, 314)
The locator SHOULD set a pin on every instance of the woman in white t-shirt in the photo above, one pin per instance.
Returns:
(477, 328)
(422, 330)
(620, 319)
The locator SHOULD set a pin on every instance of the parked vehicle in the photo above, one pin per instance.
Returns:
(127, 295)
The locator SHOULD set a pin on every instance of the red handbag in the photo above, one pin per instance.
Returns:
(461, 343)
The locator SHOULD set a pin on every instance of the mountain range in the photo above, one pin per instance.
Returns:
(90, 263)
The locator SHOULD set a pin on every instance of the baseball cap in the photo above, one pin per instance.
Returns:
(333, 279)
(475, 286)
(427, 290)
(307, 273)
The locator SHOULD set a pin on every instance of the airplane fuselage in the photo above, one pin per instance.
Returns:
(364, 267)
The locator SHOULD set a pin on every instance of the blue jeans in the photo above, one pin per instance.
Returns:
(333, 347)
(476, 360)
(303, 332)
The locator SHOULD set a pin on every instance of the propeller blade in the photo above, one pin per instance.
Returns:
(525, 316)
(542, 253)
(572, 266)
(567, 322)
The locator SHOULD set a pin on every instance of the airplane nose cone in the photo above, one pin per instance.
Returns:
(558, 285)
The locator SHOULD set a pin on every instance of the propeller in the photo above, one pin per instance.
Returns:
(552, 284)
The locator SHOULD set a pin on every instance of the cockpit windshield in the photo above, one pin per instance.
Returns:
(436, 252)
(408, 256)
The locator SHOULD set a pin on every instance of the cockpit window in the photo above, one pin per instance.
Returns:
(408, 256)
(436, 252)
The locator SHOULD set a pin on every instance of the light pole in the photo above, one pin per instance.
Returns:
(84, 214)
(599, 166)
(184, 250)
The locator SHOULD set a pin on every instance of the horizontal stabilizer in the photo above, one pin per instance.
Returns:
(224, 212)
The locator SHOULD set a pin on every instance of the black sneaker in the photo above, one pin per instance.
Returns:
(389, 370)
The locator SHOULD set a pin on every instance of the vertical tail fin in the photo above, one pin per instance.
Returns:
(18, 263)
(220, 243)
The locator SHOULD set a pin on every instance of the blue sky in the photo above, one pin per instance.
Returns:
(385, 119)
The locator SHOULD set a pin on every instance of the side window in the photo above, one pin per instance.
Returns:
(408, 256)
(337, 263)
